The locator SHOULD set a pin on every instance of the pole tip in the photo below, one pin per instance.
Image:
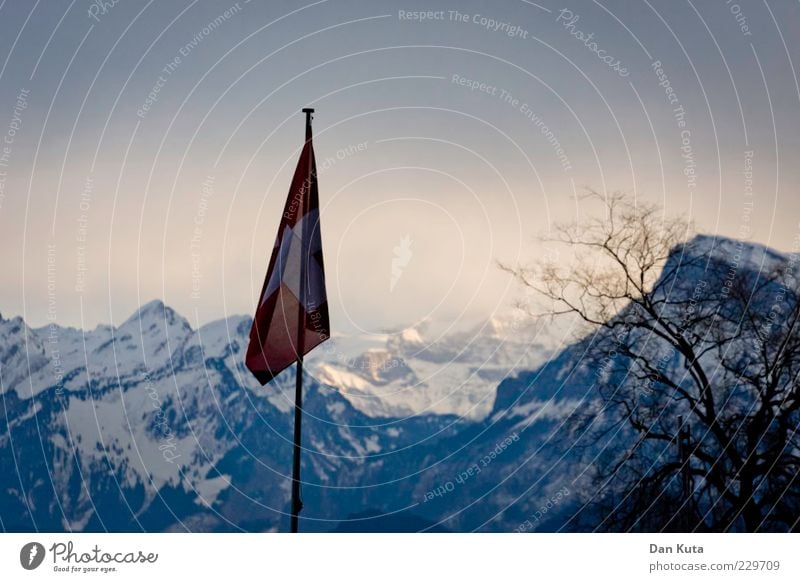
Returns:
(308, 110)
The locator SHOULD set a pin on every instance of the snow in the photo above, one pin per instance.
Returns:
(152, 366)
(101, 426)
(406, 373)
(749, 255)
(16, 421)
(345, 380)
(372, 444)
(77, 524)
(215, 338)
(335, 409)
(411, 336)
(209, 489)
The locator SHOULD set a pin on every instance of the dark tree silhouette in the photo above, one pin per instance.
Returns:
(696, 351)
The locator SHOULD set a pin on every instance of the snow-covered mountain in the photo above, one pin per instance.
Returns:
(415, 371)
(155, 426)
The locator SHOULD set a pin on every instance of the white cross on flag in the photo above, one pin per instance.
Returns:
(292, 315)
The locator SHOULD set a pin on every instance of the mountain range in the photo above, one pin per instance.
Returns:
(152, 425)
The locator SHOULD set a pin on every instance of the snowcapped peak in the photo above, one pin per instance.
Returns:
(22, 352)
(156, 311)
(723, 247)
(703, 249)
(151, 308)
(411, 335)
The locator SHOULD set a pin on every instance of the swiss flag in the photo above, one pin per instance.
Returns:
(292, 314)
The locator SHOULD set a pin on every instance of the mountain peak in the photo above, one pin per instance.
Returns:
(705, 243)
(156, 310)
(152, 305)
(411, 335)
(745, 253)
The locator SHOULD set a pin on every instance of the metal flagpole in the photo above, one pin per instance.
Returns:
(297, 504)
(684, 443)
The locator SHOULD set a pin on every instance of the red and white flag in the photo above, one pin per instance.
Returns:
(292, 314)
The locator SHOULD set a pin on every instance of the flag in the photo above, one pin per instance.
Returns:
(292, 314)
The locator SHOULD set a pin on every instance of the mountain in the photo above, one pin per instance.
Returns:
(155, 426)
(546, 457)
(414, 371)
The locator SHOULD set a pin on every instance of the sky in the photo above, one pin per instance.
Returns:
(147, 147)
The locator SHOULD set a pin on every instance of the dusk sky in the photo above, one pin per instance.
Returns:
(148, 146)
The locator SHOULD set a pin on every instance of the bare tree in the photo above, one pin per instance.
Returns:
(696, 350)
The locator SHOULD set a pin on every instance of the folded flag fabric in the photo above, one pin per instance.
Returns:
(292, 314)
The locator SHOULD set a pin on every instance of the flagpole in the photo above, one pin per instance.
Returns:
(297, 503)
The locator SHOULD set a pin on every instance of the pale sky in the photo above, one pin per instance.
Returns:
(466, 133)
